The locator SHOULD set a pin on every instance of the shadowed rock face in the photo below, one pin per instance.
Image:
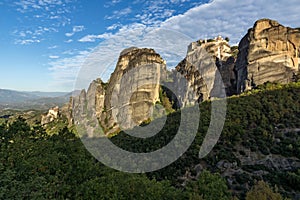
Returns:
(268, 52)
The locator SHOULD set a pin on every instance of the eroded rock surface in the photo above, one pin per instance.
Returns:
(268, 52)
(197, 77)
(129, 96)
(50, 116)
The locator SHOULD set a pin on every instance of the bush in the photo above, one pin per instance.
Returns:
(262, 191)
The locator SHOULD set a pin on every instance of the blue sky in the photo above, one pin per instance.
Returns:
(61, 45)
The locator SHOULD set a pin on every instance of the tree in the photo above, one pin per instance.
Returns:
(209, 187)
(262, 191)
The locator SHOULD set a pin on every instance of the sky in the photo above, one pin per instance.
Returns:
(62, 45)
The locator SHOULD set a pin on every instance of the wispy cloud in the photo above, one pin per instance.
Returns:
(27, 41)
(31, 36)
(53, 57)
(64, 70)
(232, 18)
(117, 14)
(55, 13)
(68, 41)
(53, 47)
(100, 61)
(75, 29)
(156, 11)
(114, 26)
(30, 5)
(170, 38)
(112, 3)
(93, 38)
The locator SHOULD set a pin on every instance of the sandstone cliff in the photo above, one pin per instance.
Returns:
(211, 68)
(129, 96)
(198, 77)
(133, 89)
(268, 52)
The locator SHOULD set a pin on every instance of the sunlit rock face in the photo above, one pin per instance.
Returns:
(127, 99)
(133, 89)
(198, 76)
(211, 68)
(268, 52)
(50, 116)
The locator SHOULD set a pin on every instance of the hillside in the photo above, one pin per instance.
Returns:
(260, 141)
(63, 153)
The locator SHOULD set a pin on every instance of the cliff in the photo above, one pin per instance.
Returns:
(129, 96)
(268, 52)
(198, 77)
(133, 89)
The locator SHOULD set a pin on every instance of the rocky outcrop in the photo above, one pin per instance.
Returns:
(133, 89)
(127, 99)
(211, 68)
(198, 76)
(268, 52)
(50, 116)
(87, 108)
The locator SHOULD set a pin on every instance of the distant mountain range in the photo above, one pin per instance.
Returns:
(11, 99)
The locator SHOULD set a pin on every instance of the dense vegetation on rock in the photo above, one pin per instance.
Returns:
(260, 141)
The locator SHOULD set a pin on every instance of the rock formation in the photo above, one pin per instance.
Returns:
(211, 68)
(133, 89)
(198, 76)
(268, 52)
(51, 115)
(129, 96)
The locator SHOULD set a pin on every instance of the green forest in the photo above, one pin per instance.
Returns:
(263, 124)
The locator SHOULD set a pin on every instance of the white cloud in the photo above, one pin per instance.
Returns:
(117, 14)
(32, 36)
(22, 34)
(100, 61)
(230, 18)
(27, 41)
(68, 41)
(54, 17)
(55, 13)
(70, 52)
(69, 34)
(78, 28)
(53, 57)
(93, 38)
(114, 27)
(156, 11)
(112, 3)
(53, 47)
(30, 5)
(75, 29)
(64, 70)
